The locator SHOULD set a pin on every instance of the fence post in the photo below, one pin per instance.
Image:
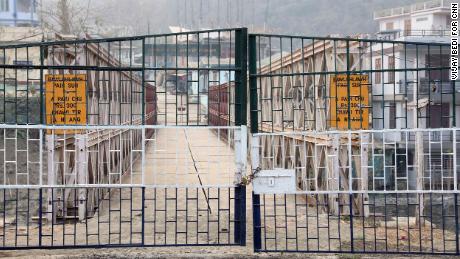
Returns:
(457, 248)
(254, 113)
(241, 46)
(240, 215)
(352, 249)
(256, 222)
(40, 203)
(143, 217)
(241, 77)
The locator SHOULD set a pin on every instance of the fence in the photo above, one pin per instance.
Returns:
(365, 130)
(104, 139)
(391, 191)
(352, 145)
(178, 187)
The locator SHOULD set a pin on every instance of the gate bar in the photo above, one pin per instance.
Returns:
(241, 47)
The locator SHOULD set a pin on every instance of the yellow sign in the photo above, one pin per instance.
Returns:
(357, 102)
(65, 100)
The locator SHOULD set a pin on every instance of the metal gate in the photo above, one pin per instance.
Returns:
(353, 143)
(354, 146)
(137, 141)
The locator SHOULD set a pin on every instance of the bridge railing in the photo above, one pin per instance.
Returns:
(126, 155)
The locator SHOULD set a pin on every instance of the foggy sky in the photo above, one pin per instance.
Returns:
(304, 17)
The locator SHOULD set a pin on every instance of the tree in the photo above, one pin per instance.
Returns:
(68, 17)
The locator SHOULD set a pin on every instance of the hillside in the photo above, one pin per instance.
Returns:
(308, 17)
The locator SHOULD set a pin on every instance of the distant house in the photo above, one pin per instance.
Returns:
(18, 13)
(413, 96)
(401, 91)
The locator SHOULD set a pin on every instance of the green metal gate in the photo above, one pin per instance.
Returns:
(354, 145)
(132, 141)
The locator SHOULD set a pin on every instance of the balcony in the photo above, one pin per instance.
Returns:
(425, 6)
(426, 87)
(398, 34)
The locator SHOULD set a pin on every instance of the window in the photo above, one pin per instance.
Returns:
(24, 6)
(407, 27)
(392, 116)
(439, 115)
(391, 65)
(438, 61)
(421, 19)
(389, 26)
(378, 66)
(2, 60)
(4, 5)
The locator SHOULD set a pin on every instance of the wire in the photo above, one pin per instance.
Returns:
(23, 38)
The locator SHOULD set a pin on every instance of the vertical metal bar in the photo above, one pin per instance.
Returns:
(241, 47)
(352, 249)
(5, 203)
(16, 230)
(143, 217)
(40, 191)
(42, 92)
(3, 60)
(87, 212)
(241, 37)
(257, 238)
(348, 91)
(240, 215)
(457, 248)
(143, 81)
(252, 48)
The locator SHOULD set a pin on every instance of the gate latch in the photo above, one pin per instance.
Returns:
(275, 181)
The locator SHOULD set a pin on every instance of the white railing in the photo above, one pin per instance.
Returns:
(412, 8)
(390, 160)
(39, 156)
(397, 34)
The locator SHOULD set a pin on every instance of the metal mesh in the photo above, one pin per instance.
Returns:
(405, 85)
(37, 156)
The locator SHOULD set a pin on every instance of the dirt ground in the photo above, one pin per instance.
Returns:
(185, 252)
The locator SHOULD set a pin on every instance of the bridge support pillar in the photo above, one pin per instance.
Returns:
(51, 210)
(82, 173)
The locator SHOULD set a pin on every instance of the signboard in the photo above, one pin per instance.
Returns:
(65, 97)
(358, 98)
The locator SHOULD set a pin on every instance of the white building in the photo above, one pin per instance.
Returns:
(414, 85)
(18, 13)
(428, 20)
(413, 95)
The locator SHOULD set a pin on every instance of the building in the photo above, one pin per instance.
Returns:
(414, 85)
(427, 21)
(413, 96)
(20, 13)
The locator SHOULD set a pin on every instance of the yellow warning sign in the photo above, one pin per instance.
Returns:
(354, 105)
(65, 97)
